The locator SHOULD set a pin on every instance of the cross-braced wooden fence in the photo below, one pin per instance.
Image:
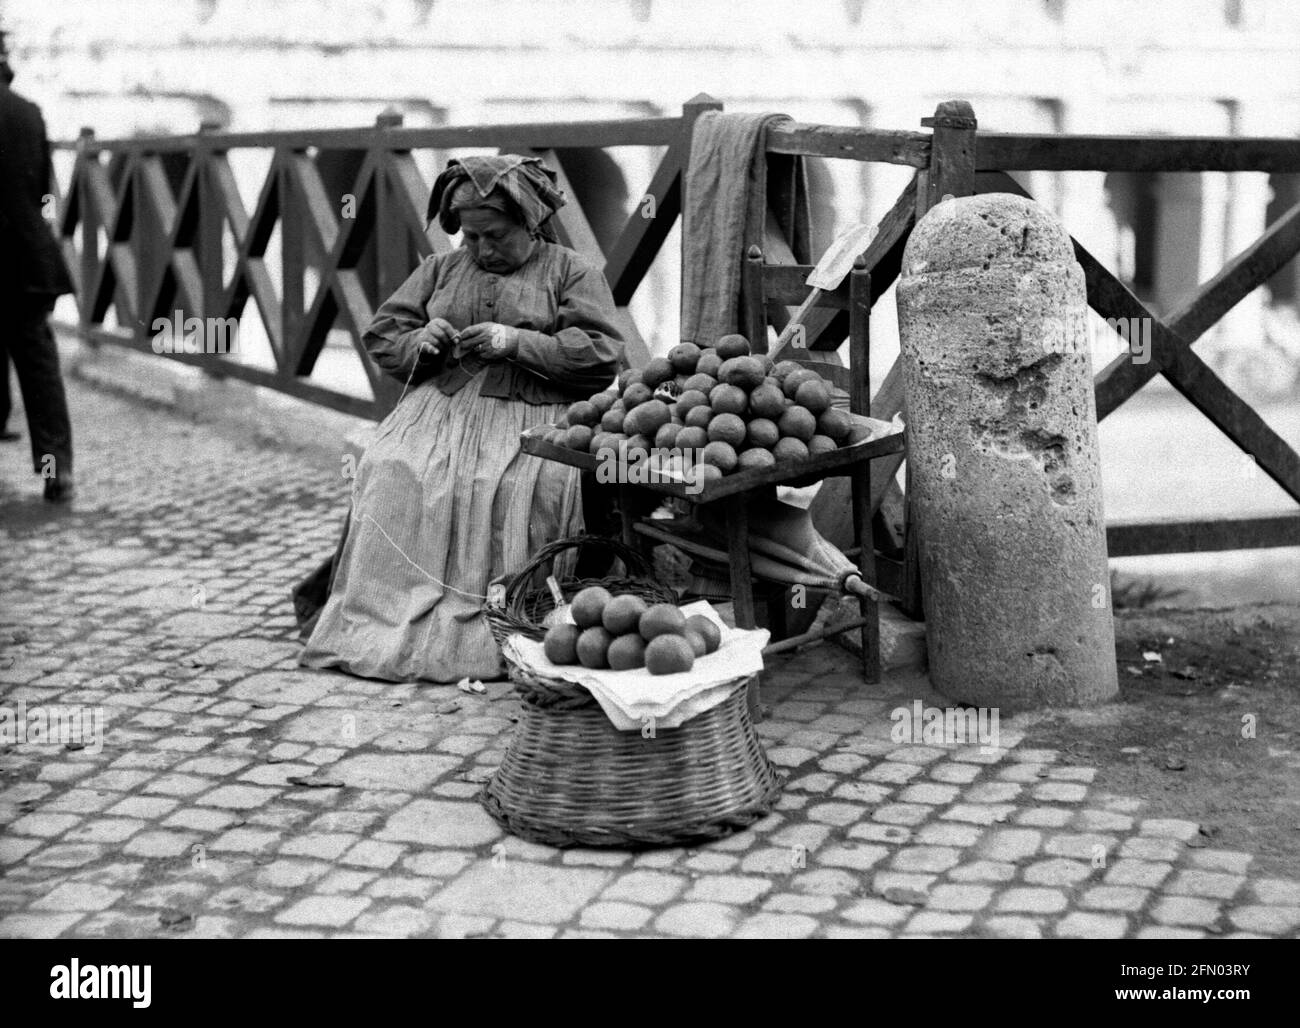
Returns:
(955, 159)
(142, 220)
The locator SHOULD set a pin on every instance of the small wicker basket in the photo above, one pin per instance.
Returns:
(570, 778)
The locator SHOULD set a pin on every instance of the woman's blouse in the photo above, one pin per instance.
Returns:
(560, 302)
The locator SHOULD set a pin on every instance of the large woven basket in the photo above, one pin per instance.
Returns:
(528, 600)
(570, 778)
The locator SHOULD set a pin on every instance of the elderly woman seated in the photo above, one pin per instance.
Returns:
(491, 339)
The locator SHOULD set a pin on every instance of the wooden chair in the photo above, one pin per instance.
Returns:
(783, 285)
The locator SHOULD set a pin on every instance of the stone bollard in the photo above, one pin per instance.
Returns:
(1002, 442)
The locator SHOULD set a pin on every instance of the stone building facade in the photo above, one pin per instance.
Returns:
(1079, 66)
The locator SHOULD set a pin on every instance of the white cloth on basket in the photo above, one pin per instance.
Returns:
(633, 700)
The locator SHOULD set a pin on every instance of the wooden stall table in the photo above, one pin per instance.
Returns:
(734, 493)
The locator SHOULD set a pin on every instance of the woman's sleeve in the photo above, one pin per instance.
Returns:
(585, 351)
(391, 338)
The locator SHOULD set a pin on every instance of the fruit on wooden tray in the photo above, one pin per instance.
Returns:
(709, 364)
(745, 372)
(692, 437)
(690, 399)
(814, 396)
(727, 428)
(698, 417)
(790, 449)
(835, 423)
(760, 434)
(766, 401)
(721, 455)
(612, 420)
(763, 414)
(683, 357)
(647, 419)
(797, 423)
(656, 371)
(577, 437)
(733, 345)
(666, 437)
(728, 399)
(756, 458)
(636, 394)
(820, 444)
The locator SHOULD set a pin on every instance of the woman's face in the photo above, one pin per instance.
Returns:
(495, 241)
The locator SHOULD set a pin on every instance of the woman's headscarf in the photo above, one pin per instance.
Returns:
(502, 182)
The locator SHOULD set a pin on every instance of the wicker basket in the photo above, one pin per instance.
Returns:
(528, 601)
(570, 778)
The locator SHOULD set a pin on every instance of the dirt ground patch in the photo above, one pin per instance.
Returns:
(1207, 726)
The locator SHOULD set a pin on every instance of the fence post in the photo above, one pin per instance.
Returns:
(392, 243)
(292, 263)
(208, 245)
(951, 173)
(89, 234)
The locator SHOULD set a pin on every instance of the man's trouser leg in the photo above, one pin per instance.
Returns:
(35, 358)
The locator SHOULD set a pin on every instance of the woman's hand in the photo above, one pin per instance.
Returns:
(490, 340)
(436, 338)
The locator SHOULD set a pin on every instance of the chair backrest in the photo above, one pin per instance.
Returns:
(770, 290)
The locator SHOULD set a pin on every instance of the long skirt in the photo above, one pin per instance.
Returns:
(443, 503)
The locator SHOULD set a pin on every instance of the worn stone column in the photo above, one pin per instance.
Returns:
(1002, 442)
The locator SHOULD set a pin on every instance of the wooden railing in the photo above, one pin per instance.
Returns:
(955, 159)
(163, 204)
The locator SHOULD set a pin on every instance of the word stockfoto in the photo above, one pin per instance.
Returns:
(80, 727)
(110, 981)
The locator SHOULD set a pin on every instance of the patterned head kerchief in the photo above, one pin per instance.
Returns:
(528, 183)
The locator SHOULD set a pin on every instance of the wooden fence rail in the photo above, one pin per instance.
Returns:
(162, 205)
(955, 159)
(142, 222)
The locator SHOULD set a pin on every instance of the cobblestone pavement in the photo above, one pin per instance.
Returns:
(237, 795)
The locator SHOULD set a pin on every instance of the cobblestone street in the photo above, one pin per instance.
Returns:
(236, 795)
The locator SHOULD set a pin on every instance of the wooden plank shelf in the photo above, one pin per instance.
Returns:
(844, 461)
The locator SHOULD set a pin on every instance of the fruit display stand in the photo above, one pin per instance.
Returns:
(735, 494)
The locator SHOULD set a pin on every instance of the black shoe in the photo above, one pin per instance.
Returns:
(59, 489)
(9, 437)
